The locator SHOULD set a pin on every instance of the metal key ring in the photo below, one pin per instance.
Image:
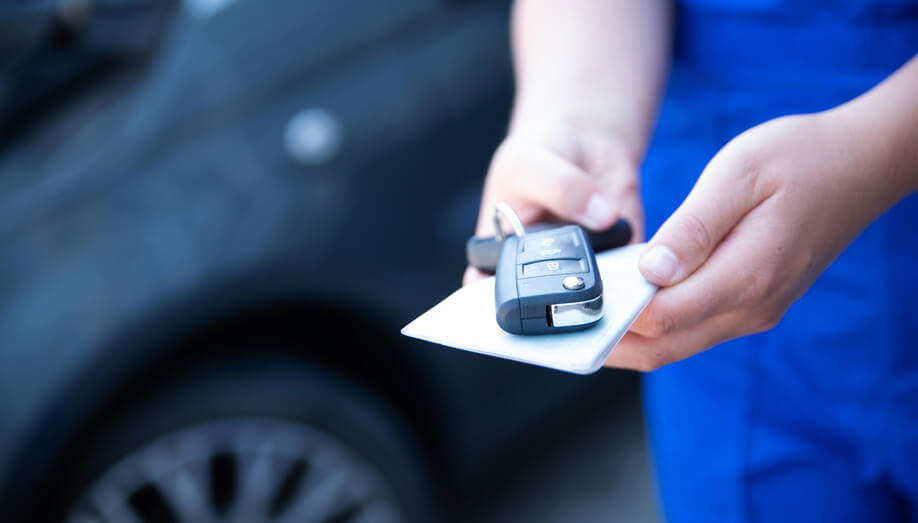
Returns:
(503, 209)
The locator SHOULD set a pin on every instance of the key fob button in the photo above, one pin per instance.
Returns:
(552, 253)
(541, 241)
(549, 267)
(574, 283)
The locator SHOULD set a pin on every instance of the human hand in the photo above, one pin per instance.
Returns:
(769, 213)
(563, 173)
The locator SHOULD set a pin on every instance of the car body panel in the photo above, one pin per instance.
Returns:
(138, 220)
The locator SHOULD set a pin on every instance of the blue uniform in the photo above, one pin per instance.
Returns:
(817, 419)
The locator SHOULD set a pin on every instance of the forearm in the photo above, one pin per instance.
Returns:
(884, 125)
(599, 63)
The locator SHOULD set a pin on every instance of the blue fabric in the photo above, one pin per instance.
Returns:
(817, 419)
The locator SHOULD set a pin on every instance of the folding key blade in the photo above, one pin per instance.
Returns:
(483, 253)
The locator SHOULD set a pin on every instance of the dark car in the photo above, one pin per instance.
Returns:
(214, 219)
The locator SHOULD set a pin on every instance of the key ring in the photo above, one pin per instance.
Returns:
(503, 209)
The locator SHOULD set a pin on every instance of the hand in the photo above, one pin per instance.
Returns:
(769, 213)
(565, 173)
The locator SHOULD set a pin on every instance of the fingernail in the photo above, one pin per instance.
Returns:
(660, 263)
(598, 212)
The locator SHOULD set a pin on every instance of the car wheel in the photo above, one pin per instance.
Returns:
(255, 441)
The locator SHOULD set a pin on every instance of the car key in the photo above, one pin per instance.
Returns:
(546, 281)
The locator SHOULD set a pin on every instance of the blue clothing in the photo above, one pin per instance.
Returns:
(817, 419)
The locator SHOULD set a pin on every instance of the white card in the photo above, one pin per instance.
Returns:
(466, 320)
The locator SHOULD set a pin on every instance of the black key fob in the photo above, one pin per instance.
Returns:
(547, 282)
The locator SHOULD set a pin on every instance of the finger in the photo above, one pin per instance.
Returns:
(565, 190)
(704, 295)
(670, 311)
(648, 354)
(620, 185)
(715, 205)
(736, 276)
(633, 212)
(540, 181)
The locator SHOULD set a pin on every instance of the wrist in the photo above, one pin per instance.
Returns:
(885, 119)
(883, 156)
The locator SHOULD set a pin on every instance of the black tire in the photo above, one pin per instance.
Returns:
(301, 402)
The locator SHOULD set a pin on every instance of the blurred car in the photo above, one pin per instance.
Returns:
(216, 216)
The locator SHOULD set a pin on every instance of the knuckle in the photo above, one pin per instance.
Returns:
(505, 161)
(770, 319)
(653, 360)
(740, 161)
(741, 166)
(755, 320)
(568, 194)
(629, 185)
(657, 322)
(748, 166)
(696, 232)
(501, 170)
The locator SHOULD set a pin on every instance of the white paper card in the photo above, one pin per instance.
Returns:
(466, 320)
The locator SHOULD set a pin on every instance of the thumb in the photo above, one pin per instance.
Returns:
(683, 243)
